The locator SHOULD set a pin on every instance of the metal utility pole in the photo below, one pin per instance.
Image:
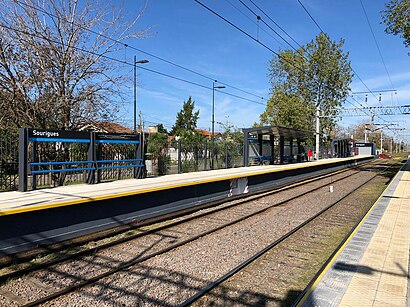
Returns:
(391, 146)
(213, 122)
(135, 94)
(381, 141)
(135, 89)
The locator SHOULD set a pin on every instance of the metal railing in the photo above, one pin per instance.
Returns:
(8, 161)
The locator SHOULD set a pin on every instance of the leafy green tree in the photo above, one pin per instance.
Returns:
(186, 118)
(162, 129)
(230, 143)
(397, 19)
(315, 75)
(192, 149)
(157, 149)
(286, 110)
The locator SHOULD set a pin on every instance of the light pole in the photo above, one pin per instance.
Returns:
(213, 121)
(135, 89)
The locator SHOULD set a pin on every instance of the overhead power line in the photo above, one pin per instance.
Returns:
(357, 75)
(276, 24)
(247, 34)
(311, 17)
(127, 63)
(255, 23)
(140, 50)
(386, 110)
(378, 91)
(377, 44)
(273, 30)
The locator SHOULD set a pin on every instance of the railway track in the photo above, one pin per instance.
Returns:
(74, 245)
(113, 266)
(68, 250)
(287, 246)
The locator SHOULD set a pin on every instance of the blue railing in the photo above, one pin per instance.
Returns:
(99, 166)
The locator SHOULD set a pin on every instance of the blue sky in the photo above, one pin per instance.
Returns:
(185, 33)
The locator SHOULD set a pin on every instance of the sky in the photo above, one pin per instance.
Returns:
(185, 33)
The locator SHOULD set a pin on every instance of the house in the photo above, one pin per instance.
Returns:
(207, 134)
(106, 127)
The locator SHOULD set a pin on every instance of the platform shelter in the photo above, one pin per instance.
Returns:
(342, 148)
(274, 144)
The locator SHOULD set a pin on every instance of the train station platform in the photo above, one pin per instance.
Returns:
(372, 267)
(45, 216)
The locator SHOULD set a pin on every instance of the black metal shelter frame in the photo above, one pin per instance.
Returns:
(277, 135)
(342, 148)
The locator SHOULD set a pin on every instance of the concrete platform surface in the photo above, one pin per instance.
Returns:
(372, 269)
(17, 202)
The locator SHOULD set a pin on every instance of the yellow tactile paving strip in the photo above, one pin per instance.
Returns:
(387, 256)
(17, 202)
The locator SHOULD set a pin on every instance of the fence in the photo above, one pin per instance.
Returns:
(8, 161)
(183, 157)
(178, 157)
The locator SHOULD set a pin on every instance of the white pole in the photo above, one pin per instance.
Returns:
(317, 133)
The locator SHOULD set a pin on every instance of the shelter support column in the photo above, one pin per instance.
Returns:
(299, 155)
(281, 149)
(272, 149)
(245, 147)
(291, 149)
(260, 143)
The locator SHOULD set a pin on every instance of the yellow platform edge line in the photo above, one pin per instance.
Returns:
(30, 208)
(319, 278)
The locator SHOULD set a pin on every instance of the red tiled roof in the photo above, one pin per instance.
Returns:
(108, 127)
(207, 133)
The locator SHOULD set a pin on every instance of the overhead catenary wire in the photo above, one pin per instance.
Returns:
(263, 12)
(266, 24)
(321, 30)
(140, 50)
(129, 64)
(275, 23)
(377, 44)
(356, 74)
(245, 33)
(255, 23)
(248, 35)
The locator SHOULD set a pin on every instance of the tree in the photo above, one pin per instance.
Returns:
(286, 110)
(54, 72)
(186, 118)
(315, 75)
(157, 149)
(397, 19)
(162, 129)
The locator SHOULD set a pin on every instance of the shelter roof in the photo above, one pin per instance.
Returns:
(279, 131)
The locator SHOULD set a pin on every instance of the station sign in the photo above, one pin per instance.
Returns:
(363, 144)
(45, 135)
(116, 136)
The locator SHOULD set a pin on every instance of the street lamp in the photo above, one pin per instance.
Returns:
(213, 120)
(135, 89)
